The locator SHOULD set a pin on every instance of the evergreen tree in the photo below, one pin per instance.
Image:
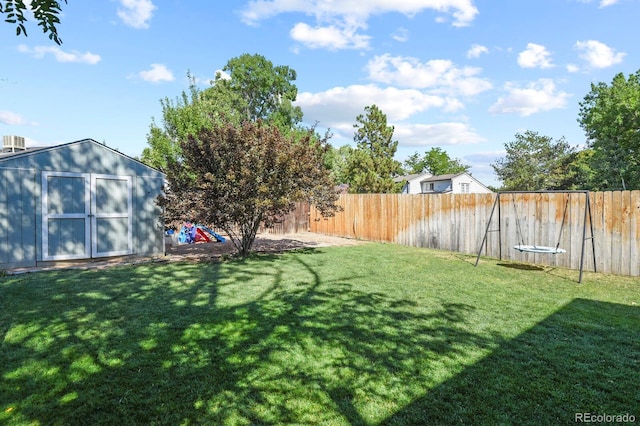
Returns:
(371, 167)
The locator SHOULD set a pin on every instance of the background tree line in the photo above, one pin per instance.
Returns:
(610, 159)
(609, 115)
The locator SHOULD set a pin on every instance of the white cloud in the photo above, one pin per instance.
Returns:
(476, 50)
(463, 11)
(401, 35)
(12, 118)
(438, 75)
(572, 68)
(535, 56)
(209, 81)
(537, 96)
(158, 73)
(598, 54)
(343, 104)
(603, 3)
(439, 134)
(337, 22)
(223, 74)
(136, 13)
(337, 109)
(329, 37)
(60, 55)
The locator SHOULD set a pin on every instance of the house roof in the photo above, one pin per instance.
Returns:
(406, 178)
(442, 177)
(447, 177)
(38, 149)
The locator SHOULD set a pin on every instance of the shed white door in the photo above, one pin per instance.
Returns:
(111, 216)
(85, 215)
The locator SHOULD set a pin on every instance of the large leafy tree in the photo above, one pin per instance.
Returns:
(260, 90)
(249, 88)
(579, 173)
(371, 166)
(183, 116)
(241, 176)
(45, 12)
(610, 116)
(534, 162)
(435, 161)
(336, 161)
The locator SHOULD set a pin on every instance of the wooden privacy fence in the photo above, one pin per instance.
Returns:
(294, 222)
(457, 222)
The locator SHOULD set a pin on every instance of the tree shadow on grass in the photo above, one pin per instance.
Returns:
(584, 358)
(263, 341)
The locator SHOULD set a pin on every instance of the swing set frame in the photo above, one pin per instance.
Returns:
(541, 249)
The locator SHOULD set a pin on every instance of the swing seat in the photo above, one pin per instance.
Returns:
(539, 249)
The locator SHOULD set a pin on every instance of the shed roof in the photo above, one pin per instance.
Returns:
(4, 156)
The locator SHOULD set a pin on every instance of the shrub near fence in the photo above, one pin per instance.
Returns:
(457, 222)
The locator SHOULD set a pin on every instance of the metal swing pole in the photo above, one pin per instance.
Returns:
(499, 229)
(593, 239)
(587, 209)
(484, 239)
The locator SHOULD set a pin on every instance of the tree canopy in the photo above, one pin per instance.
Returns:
(435, 161)
(336, 160)
(610, 116)
(241, 176)
(370, 166)
(183, 116)
(535, 162)
(250, 88)
(260, 90)
(45, 12)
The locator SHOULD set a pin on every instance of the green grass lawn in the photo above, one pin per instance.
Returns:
(369, 334)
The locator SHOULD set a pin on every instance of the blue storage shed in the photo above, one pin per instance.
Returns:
(80, 200)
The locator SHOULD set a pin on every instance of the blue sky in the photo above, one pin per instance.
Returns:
(462, 75)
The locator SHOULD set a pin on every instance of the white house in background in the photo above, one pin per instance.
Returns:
(459, 183)
(412, 182)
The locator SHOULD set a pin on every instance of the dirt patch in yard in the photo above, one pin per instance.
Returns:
(264, 243)
(201, 252)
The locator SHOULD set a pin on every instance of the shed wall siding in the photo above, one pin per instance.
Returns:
(17, 219)
(147, 227)
(4, 218)
(21, 198)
